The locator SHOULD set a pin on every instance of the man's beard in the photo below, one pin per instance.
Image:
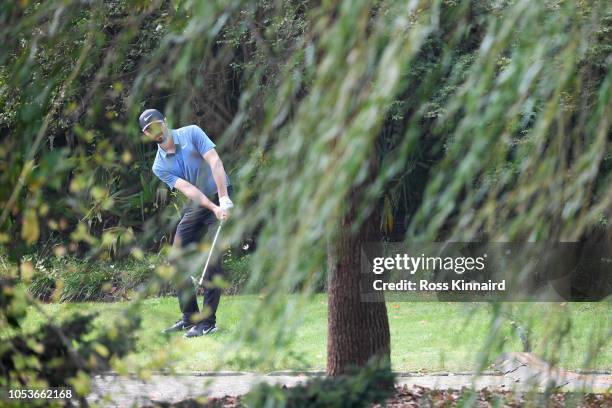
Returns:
(164, 138)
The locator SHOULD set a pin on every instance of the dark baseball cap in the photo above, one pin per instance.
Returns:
(149, 116)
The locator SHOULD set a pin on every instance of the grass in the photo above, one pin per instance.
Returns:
(425, 337)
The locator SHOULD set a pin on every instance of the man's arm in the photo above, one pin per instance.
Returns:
(194, 194)
(218, 171)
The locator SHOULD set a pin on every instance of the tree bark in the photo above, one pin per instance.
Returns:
(357, 331)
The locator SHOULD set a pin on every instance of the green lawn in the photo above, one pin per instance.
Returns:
(424, 336)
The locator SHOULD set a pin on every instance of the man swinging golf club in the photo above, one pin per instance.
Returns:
(187, 160)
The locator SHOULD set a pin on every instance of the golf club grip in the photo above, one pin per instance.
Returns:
(210, 254)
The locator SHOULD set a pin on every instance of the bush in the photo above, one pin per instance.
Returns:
(59, 355)
(43, 285)
(236, 269)
(87, 283)
(69, 279)
(358, 388)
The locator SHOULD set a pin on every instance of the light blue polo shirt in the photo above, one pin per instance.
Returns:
(187, 162)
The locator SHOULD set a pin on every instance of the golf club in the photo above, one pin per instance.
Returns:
(212, 247)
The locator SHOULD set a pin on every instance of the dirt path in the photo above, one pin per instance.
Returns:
(129, 391)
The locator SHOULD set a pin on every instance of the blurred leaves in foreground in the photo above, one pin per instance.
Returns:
(488, 120)
(58, 354)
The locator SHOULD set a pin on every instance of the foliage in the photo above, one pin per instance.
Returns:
(86, 181)
(370, 384)
(70, 279)
(236, 268)
(60, 355)
(487, 120)
(421, 396)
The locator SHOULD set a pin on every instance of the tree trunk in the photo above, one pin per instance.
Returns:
(357, 330)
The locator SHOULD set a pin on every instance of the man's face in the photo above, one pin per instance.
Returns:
(155, 132)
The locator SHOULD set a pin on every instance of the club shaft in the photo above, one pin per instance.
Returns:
(212, 247)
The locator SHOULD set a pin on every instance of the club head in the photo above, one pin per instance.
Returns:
(195, 281)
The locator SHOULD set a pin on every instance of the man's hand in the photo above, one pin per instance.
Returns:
(193, 193)
(220, 213)
(225, 203)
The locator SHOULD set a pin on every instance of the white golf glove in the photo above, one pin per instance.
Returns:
(225, 203)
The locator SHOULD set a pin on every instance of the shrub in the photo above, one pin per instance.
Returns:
(85, 283)
(59, 355)
(358, 388)
(236, 269)
(69, 279)
(43, 285)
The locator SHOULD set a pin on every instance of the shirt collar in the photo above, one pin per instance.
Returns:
(176, 143)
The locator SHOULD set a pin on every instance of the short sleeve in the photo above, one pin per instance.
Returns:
(200, 140)
(165, 176)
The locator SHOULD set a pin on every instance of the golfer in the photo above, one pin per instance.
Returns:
(187, 160)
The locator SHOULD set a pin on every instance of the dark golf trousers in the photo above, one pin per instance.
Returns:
(195, 223)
